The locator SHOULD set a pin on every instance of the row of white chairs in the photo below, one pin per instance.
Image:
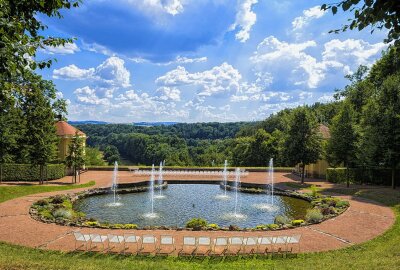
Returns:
(187, 172)
(191, 245)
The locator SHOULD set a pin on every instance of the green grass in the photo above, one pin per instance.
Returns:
(11, 192)
(380, 253)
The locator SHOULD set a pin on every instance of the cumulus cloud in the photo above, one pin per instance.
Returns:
(219, 79)
(172, 7)
(111, 72)
(301, 68)
(68, 48)
(87, 95)
(178, 60)
(245, 19)
(169, 93)
(308, 15)
(72, 72)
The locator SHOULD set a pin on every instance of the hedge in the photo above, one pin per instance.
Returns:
(27, 172)
(376, 176)
(191, 168)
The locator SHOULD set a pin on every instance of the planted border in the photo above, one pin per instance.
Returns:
(59, 209)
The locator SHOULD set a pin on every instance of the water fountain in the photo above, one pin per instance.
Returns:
(271, 179)
(114, 186)
(225, 182)
(152, 179)
(237, 213)
(160, 182)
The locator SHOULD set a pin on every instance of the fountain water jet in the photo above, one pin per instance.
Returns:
(160, 182)
(271, 179)
(237, 186)
(269, 206)
(225, 182)
(151, 214)
(114, 186)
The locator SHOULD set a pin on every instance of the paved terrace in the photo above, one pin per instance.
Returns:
(364, 220)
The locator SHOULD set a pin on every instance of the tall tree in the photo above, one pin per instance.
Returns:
(303, 141)
(381, 124)
(40, 138)
(342, 145)
(76, 156)
(378, 14)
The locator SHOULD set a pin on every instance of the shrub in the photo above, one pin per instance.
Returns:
(27, 172)
(91, 223)
(342, 204)
(58, 199)
(46, 213)
(261, 227)
(314, 216)
(297, 222)
(196, 223)
(281, 220)
(130, 226)
(213, 226)
(42, 202)
(315, 191)
(273, 226)
(63, 213)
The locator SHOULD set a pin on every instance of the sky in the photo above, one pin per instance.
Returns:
(201, 60)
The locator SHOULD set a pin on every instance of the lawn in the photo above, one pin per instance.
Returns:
(380, 253)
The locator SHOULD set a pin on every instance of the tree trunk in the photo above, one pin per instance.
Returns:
(393, 178)
(347, 177)
(302, 173)
(1, 173)
(40, 174)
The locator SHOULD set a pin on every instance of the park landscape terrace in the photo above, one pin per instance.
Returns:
(170, 173)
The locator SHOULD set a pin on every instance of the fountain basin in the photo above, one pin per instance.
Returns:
(183, 202)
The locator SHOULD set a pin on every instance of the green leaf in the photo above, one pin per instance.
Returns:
(334, 10)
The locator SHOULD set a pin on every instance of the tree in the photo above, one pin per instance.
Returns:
(379, 14)
(342, 145)
(381, 125)
(111, 154)
(303, 141)
(76, 156)
(94, 157)
(40, 137)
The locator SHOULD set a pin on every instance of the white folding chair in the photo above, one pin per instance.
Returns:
(130, 238)
(189, 245)
(97, 239)
(292, 241)
(83, 238)
(250, 243)
(280, 244)
(149, 242)
(203, 245)
(167, 244)
(235, 245)
(115, 241)
(220, 243)
(265, 244)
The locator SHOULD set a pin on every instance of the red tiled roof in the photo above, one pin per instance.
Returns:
(324, 130)
(63, 129)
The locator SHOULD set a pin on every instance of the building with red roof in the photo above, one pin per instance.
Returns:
(66, 132)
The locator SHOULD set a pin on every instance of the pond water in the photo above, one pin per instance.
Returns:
(182, 202)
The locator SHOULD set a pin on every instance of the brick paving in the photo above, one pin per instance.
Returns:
(364, 220)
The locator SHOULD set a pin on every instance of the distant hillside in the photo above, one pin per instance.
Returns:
(154, 124)
(87, 122)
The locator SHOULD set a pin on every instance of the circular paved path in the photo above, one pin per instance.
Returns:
(363, 220)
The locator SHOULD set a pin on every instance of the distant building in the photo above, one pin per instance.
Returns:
(66, 132)
(318, 169)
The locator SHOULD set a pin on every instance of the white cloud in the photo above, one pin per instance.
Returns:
(177, 60)
(110, 73)
(219, 79)
(169, 93)
(354, 51)
(292, 62)
(72, 72)
(97, 48)
(87, 95)
(172, 7)
(308, 15)
(245, 19)
(68, 48)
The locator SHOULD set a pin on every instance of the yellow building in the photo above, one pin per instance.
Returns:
(66, 132)
(318, 169)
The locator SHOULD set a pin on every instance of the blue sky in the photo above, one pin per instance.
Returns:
(201, 60)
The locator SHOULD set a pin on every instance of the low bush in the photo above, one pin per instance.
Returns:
(314, 215)
(315, 191)
(281, 220)
(91, 223)
(196, 223)
(297, 222)
(62, 213)
(377, 176)
(26, 172)
(130, 226)
(342, 204)
(273, 226)
(213, 226)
